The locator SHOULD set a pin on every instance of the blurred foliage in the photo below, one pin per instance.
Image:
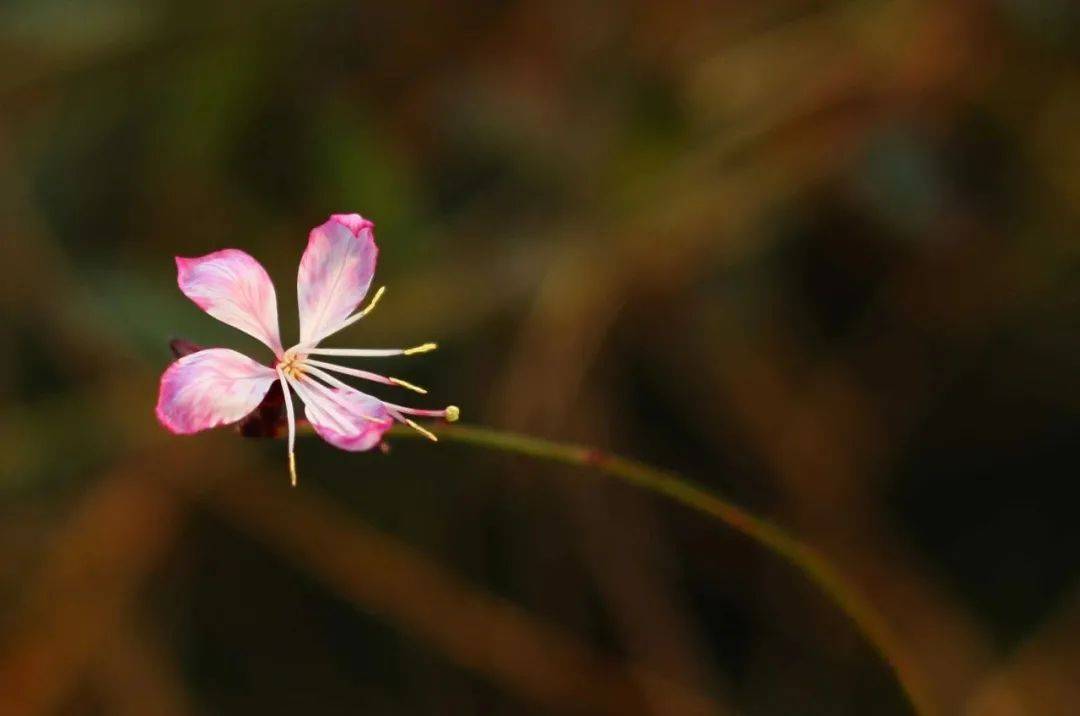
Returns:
(820, 256)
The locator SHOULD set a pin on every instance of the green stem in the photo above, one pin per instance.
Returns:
(670, 485)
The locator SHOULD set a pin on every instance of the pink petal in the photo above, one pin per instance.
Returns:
(335, 273)
(210, 388)
(367, 416)
(235, 289)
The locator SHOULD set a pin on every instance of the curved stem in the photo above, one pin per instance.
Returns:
(678, 489)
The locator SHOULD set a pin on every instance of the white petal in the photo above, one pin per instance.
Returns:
(210, 388)
(335, 273)
(234, 288)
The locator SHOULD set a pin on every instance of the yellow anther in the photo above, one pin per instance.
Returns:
(292, 468)
(423, 431)
(453, 413)
(379, 421)
(374, 302)
(410, 386)
(426, 348)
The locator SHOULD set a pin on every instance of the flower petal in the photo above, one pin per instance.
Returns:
(234, 288)
(368, 419)
(210, 388)
(335, 273)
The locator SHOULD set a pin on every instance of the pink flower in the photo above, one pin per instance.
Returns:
(218, 386)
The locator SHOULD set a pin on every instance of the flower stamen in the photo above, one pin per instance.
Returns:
(422, 430)
(424, 348)
(371, 305)
(450, 413)
(365, 374)
(291, 365)
(355, 372)
(410, 386)
(373, 352)
(290, 413)
(331, 379)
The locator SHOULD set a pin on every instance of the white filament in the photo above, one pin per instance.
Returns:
(366, 375)
(290, 413)
(323, 410)
(358, 352)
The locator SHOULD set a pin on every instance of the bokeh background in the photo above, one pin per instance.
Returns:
(818, 256)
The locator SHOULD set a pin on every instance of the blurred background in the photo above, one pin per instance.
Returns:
(818, 256)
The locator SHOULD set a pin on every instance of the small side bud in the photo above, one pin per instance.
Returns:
(181, 347)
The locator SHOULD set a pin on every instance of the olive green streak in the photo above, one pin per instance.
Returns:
(807, 559)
